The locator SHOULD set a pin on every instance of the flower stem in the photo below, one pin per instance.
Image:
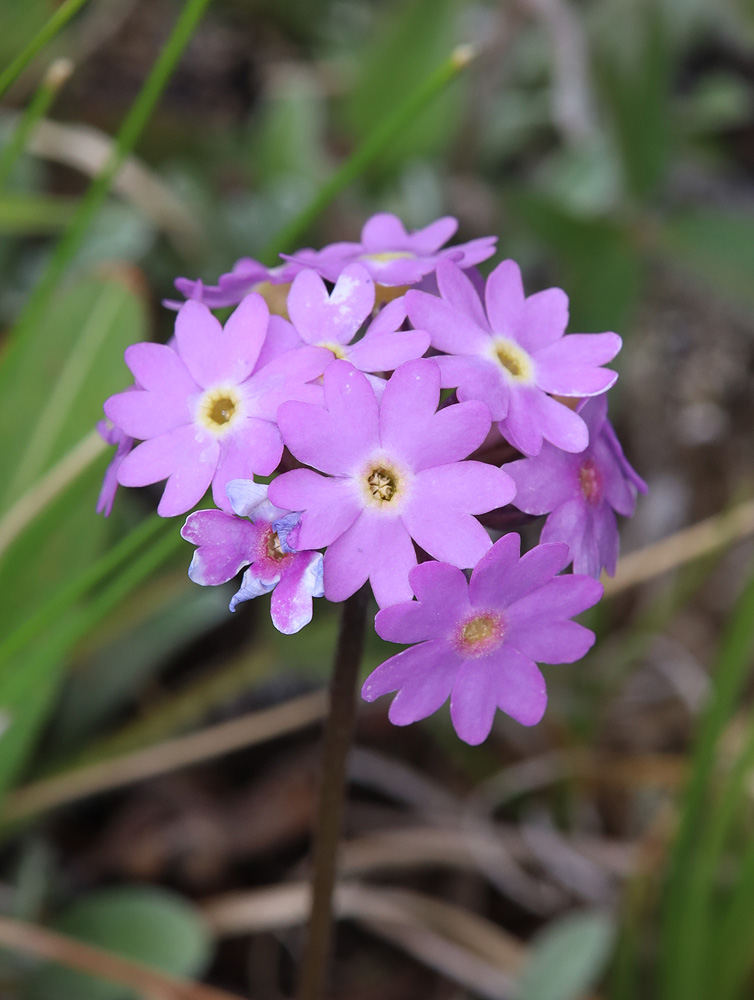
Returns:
(337, 741)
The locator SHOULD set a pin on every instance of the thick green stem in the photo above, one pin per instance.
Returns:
(337, 742)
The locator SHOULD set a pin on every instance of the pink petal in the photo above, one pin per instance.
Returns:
(544, 319)
(473, 701)
(545, 482)
(504, 297)
(158, 368)
(423, 676)
(449, 329)
(391, 559)
(281, 337)
(256, 449)
(459, 292)
(476, 378)
(551, 642)
(429, 239)
(337, 316)
(330, 505)
(291, 603)
(225, 545)
(521, 691)
(559, 598)
(445, 532)
(382, 232)
(473, 487)
(214, 355)
(501, 579)
(147, 414)
(385, 352)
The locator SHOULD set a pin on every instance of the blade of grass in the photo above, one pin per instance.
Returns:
(62, 602)
(731, 947)
(38, 107)
(378, 140)
(683, 925)
(136, 120)
(57, 22)
(25, 693)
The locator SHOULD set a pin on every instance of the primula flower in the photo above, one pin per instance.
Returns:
(393, 473)
(333, 319)
(394, 257)
(581, 492)
(205, 409)
(226, 543)
(248, 275)
(514, 353)
(478, 640)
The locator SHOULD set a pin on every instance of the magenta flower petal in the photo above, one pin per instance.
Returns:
(569, 369)
(281, 337)
(415, 621)
(291, 606)
(475, 378)
(568, 523)
(521, 691)
(501, 578)
(423, 677)
(319, 316)
(377, 548)
(144, 415)
(158, 368)
(546, 319)
(385, 352)
(458, 291)
(449, 329)
(224, 545)
(542, 486)
(214, 355)
(446, 533)
(474, 487)
(504, 299)
(330, 506)
(473, 702)
(258, 450)
(560, 598)
(186, 463)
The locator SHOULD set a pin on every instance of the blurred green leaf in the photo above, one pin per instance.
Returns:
(594, 259)
(146, 924)
(716, 247)
(411, 38)
(634, 68)
(73, 362)
(567, 958)
(31, 214)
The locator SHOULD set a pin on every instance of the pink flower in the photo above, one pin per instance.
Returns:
(333, 319)
(514, 354)
(248, 275)
(479, 641)
(581, 492)
(226, 543)
(393, 256)
(393, 473)
(205, 409)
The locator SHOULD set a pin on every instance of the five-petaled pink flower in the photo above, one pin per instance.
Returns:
(394, 472)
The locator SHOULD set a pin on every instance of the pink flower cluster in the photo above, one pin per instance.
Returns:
(394, 376)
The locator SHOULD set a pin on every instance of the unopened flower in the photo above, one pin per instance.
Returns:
(205, 409)
(394, 472)
(228, 542)
(395, 257)
(479, 641)
(332, 320)
(581, 492)
(513, 354)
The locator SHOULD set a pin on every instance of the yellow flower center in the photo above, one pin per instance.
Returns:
(513, 359)
(276, 297)
(387, 255)
(383, 484)
(219, 408)
(274, 548)
(480, 634)
(337, 349)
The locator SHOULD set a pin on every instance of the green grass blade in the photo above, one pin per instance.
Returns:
(378, 140)
(132, 127)
(38, 107)
(684, 925)
(57, 22)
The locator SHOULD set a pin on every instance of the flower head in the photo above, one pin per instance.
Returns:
(228, 542)
(394, 257)
(393, 472)
(581, 493)
(205, 409)
(513, 354)
(479, 641)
